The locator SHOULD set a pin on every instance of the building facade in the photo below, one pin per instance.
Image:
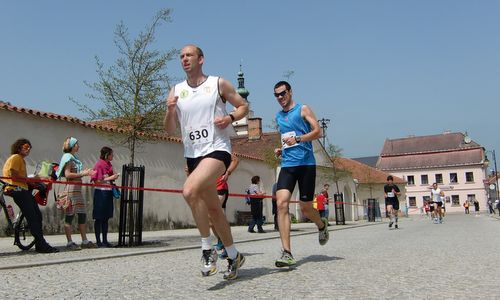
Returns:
(452, 160)
(370, 184)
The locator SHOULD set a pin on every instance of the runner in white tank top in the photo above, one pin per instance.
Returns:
(197, 108)
(198, 104)
(437, 195)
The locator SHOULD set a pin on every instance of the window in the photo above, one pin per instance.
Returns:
(439, 178)
(413, 201)
(471, 197)
(424, 179)
(453, 178)
(411, 180)
(455, 200)
(469, 177)
(427, 199)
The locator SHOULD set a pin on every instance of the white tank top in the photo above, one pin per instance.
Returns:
(436, 195)
(197, 108)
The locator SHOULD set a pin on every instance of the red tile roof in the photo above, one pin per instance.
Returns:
(103, 125)
(425, 144)
(258, 148)
(432, 160)
(364, 173)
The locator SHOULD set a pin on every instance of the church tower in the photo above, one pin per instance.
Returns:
(241, 126)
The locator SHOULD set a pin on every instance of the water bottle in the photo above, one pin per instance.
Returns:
(10, 212)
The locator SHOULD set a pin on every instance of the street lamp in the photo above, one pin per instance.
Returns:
(323, 123)
(486, 161)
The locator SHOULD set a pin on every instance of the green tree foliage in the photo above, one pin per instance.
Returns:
(132, 91)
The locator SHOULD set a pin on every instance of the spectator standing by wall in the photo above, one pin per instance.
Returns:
(490, 206)
(326, 186)
(71, 168)
(476, 206)
(103, 207)
(466, 207)
(256, 206)
(321, 204)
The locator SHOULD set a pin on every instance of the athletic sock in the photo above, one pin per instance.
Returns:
(231, 252)
(206, 243)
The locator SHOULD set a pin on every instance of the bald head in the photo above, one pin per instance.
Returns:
(196, 48)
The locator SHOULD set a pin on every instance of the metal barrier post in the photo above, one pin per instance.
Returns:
(372, 210)
(131, 207)
(339, 209)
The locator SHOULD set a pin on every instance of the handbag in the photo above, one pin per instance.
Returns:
(116, 192)
(62, 199)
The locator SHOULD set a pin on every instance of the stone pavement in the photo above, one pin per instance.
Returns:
(455, 260)
(12, 257)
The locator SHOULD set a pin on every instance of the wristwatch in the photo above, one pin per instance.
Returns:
(297, 139)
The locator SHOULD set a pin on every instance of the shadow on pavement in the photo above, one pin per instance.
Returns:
(243, 275)
(317, 258)
(19, 253)
(252, 273)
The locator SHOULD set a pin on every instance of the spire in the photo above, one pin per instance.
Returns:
(241, 85)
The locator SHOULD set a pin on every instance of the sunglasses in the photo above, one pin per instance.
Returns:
(282, 94)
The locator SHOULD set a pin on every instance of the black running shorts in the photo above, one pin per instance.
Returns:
(305, 176)
(394, 202)
(223, 156)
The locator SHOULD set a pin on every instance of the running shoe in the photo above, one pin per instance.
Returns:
(72, 246)
(286, 260)
(233, 265)
(323, 233)
(396, 226)
(208, 262)
(88, 245)
(390, 224)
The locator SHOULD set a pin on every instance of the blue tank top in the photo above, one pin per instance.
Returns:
(291, 123)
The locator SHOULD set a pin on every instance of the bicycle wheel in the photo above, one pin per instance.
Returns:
(22, 235)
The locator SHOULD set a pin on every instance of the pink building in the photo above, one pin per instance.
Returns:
(452, 160)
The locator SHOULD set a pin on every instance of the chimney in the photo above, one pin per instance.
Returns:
(254, 128)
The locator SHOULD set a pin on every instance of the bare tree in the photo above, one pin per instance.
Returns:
(339, 172)
(132, 91)
(287, 74)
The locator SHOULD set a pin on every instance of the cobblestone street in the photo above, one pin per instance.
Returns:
(455, 260)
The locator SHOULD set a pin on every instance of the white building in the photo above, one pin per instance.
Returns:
(452, 160)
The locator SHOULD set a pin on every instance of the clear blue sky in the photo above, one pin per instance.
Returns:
(377, 69)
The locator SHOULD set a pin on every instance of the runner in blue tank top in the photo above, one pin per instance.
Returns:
(291, 123)
(298, 127)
